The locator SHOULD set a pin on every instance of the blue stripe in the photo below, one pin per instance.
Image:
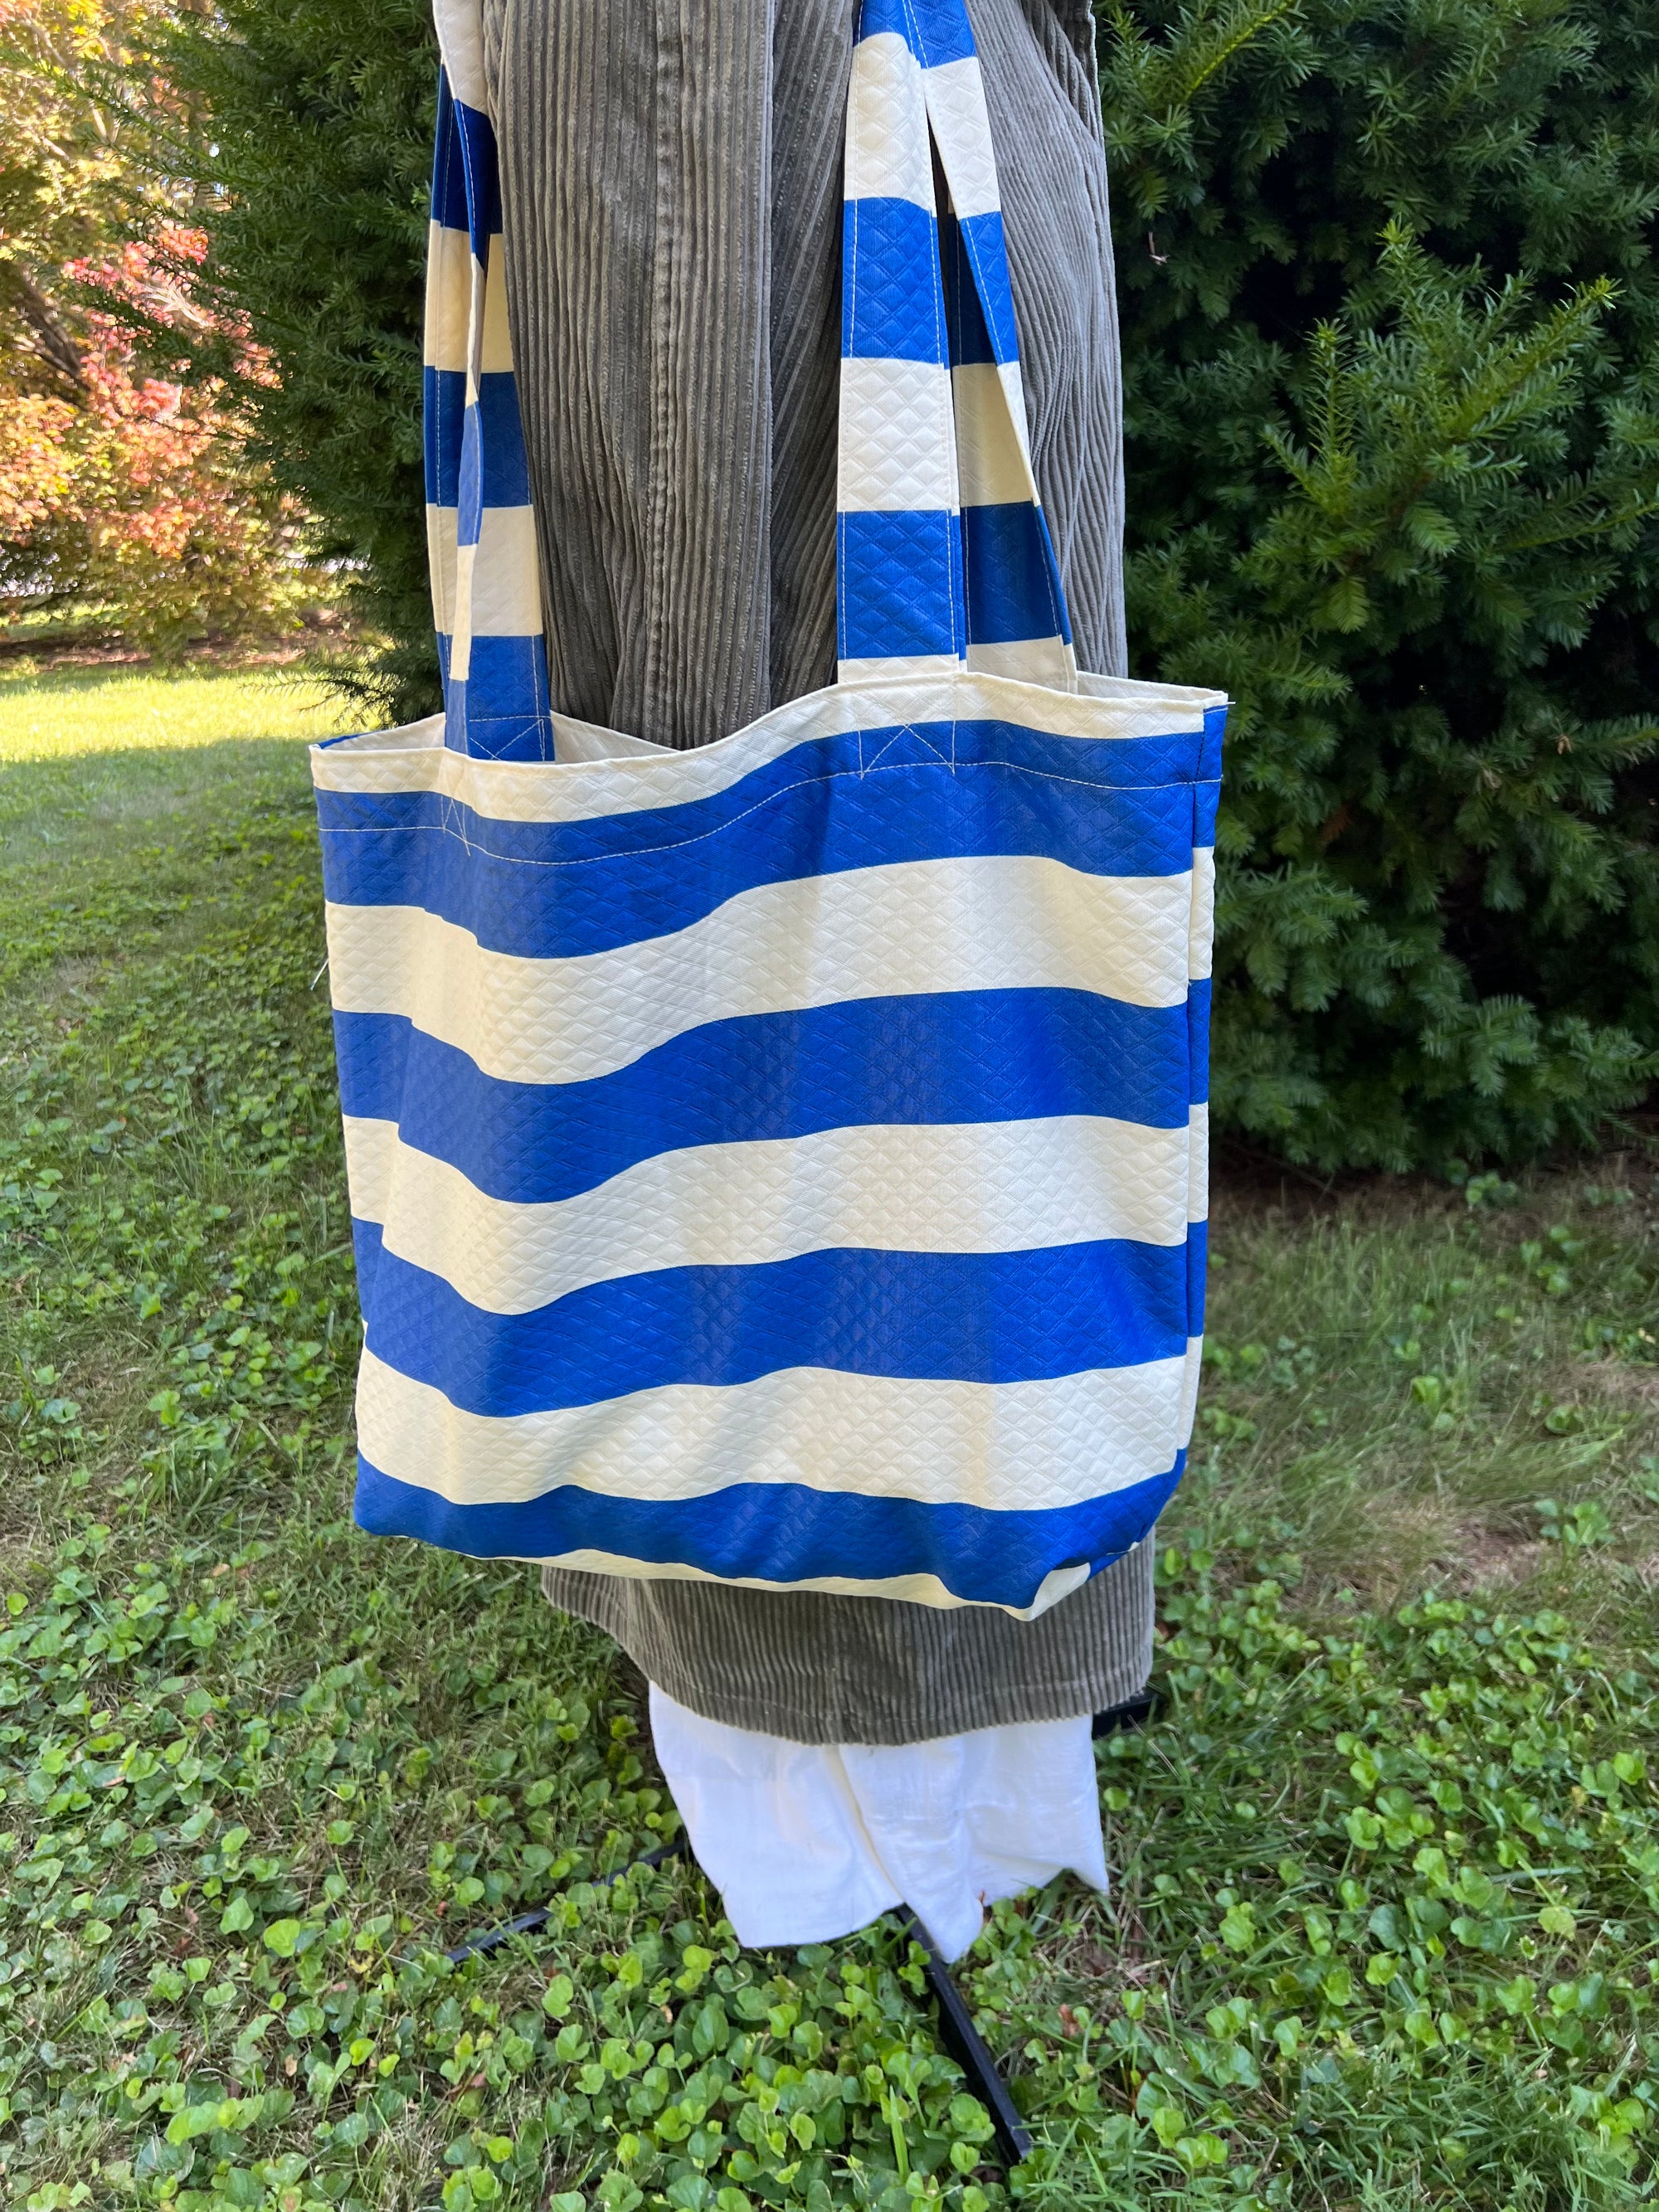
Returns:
(987, 249)
(1215, 727)
(537, 912)
(898, 584)
(506, 480)
(1013, 587)
(941, 1058)
(448, 205)
(523, 736)
(483, 191)
(970, 334)
(1126, 768)
(506, 677)
(469, 495)
(493, 713)
(935, 31)
(877, 17)
(1120, 766)
(784, 1532)
(1198, 1038)
(893, 306)
(935, 1317)
(1198, 1253)
(516, 886)
(445, 411)
(941, 31)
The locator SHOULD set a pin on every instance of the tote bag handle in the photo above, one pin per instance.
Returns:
(943, 557)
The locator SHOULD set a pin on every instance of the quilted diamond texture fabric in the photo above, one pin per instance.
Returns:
(783, 1162)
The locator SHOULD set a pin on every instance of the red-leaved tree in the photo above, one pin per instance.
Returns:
(126, 500)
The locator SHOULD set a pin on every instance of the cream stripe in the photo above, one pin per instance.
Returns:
(475, 324)
(996, 924)
(885, 465)
(991, 452)
(1198, 1164)
(1132, 691)
(506, 598)
(1103, 708)
(1012, 378)
(956, 109)
(896, 668)
(912, 1589)
(460, 41)
(983, 1186)
(1027, 1447)
(449, 297)
(592, 741)
(460, 643)
(494, 346)
(887, 151)
(441, 523)
(1028, 660)
(1201, 938)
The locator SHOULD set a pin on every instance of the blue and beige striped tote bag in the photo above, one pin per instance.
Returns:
(782, 1162)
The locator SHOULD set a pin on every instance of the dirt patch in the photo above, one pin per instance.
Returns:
(1628, 1383)
(1396, 1546)
(1252, 1188)
(1487, 1558)
(72, 977)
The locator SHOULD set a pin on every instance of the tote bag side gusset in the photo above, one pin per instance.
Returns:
(780, 1164)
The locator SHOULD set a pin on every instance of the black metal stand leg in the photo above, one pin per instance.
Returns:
(962, 2038)
(1132, 1713)
(528, 1922)
(967, 2046)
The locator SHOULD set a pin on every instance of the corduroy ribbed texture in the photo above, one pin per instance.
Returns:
(865, 1670)
(672, 194)
(671, 185)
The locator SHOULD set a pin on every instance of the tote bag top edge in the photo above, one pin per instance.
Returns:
(1104, 707)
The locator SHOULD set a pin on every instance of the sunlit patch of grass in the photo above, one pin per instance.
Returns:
(89, 756)
(76, 713)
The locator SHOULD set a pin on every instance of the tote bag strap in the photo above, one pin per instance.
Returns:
(943, 553)
(481, 530)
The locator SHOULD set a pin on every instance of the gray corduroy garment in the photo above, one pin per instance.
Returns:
(672, 194)
(672, 185)
(823, 1669)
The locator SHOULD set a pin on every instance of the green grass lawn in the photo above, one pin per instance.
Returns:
(1384, 1928)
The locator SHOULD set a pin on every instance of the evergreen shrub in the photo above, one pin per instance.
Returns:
(1389, 319)
(308, 124)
